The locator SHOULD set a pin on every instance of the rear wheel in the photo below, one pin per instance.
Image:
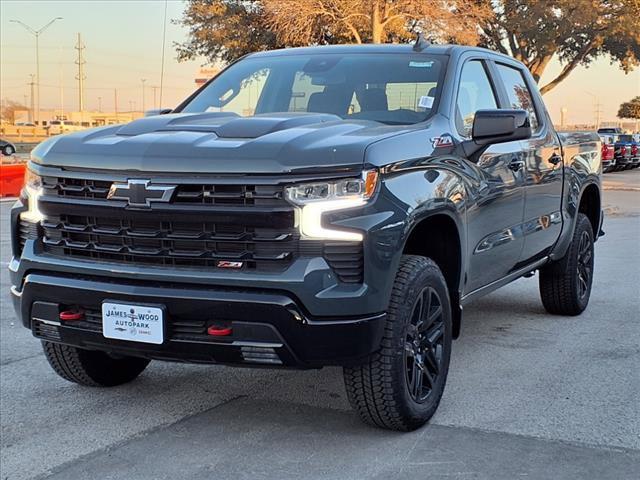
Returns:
(565, 286)
(8, 150)
(400, 386)
(92, 368)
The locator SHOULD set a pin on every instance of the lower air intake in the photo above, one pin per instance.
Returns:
(263, 355)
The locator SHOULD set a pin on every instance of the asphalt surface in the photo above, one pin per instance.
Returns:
(529, 395)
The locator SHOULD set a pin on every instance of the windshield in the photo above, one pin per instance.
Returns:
(388, 88)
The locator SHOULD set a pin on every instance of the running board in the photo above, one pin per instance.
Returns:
(482, 291)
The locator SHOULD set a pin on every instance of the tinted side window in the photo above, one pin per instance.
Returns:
(518, 92)
(474, 93)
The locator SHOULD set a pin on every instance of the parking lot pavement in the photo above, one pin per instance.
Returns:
(628, 180)
(529, 394)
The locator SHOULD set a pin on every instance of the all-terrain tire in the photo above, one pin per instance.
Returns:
(92, 368)
(379, 388)
(565, 285)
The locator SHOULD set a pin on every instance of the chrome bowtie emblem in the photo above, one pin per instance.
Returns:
(139, 193)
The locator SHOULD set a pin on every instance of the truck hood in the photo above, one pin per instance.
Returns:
(219, 142)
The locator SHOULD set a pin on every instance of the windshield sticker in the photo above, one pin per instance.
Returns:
(426, 101)
(421, 64)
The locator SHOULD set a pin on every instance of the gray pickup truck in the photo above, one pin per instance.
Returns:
(307, 207)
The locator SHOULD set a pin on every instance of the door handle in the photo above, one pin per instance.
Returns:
(555, 159)
(516, 164)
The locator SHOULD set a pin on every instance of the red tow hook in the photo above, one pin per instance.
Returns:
(219, 330)
(71, 315)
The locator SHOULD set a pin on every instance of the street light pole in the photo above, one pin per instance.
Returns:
(596, 109)
(36, 33)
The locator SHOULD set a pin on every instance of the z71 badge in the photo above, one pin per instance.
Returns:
(442, 141)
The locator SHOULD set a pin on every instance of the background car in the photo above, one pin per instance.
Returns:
(622, 153)
(633, 144)
(57, 127)
(608, 153)
(610, 131)
(7, 148)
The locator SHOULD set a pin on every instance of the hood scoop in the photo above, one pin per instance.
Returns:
(259, 125)
(223, 124)
(181, 121)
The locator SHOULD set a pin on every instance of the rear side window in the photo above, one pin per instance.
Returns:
(518, 92)
(474, 93)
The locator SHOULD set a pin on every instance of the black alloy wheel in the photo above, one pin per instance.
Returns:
(424, 345)
(585, 264)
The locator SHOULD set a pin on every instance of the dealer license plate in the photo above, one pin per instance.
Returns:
(135, 323)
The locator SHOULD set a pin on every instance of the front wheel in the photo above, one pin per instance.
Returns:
(8, 150)
(92, 368)
(400, 386)
(565, 285)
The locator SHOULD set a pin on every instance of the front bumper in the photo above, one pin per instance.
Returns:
(269, 328)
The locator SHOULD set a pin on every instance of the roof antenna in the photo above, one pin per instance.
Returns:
(421, 43)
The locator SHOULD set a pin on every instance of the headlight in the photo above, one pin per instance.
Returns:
(33, 191)
(314, 199)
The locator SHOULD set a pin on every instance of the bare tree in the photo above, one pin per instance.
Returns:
(374, 21)
(227, 29)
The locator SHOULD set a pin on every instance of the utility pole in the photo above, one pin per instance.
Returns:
(36, 33)
(598, 113)
(31, 110)
(80, 76)
(61, 87)
(143, 105)
(100, 104)
(115, 102)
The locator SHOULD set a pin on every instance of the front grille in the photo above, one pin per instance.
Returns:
(247, 223)
(171, 243)
(195, 194)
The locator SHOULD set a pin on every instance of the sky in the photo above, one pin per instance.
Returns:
(123, 40)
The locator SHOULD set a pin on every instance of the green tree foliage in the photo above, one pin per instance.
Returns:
(224, 30)
(630, 109)
(576, 31)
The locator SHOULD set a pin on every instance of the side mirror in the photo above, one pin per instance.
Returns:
(497, 126)
(157, 111)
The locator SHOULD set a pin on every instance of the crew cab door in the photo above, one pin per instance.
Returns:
(543, 165)
(495, 211)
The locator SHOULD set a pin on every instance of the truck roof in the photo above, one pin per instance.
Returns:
(452, 50)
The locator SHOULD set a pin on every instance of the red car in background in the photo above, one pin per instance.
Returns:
(608, 153)
(11, 170)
